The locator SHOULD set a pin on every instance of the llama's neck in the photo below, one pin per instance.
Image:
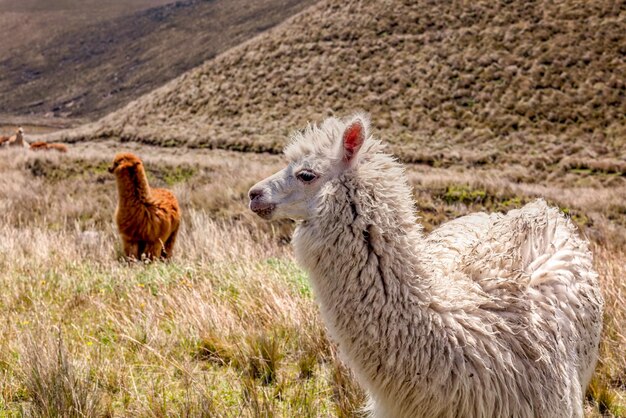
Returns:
(376, 296)
(132, 185)
(360, 245)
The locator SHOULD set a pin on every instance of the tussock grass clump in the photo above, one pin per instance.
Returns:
(264, 354)
(57, 385)
(346, 393)
(608, 388)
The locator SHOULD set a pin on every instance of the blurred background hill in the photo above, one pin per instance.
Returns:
(81, 59)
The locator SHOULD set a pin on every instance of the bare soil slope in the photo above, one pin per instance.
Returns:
(96, 64)
(531, 83)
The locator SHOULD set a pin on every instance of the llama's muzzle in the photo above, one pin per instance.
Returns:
(259, 205)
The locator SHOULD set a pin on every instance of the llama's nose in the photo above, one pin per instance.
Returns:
(259, 204)
(255, 193)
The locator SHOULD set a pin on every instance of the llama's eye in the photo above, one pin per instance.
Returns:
(306, 176)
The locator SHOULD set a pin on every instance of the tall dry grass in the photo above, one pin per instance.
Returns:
(231, 320)
(229, 328)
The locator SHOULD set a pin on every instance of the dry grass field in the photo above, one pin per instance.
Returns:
(230, 327)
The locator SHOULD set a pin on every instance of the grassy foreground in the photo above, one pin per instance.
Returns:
(230, 327)
(232, 332)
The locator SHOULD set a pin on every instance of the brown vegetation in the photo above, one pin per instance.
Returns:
(472, 84)
(32, 22)
(498, 103)
(148, 219)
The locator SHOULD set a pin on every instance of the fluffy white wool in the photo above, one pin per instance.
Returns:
(488, 316)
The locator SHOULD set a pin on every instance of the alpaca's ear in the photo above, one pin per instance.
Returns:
(353, 138)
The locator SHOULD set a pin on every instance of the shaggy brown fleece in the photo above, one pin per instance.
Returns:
(148, 219)
(40, 145)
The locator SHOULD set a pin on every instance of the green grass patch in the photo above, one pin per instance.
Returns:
(293, 275)
(463, 194)
(66, 169)
(172, 175)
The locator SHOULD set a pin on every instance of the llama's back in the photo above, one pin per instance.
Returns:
(535, 254)
(39, 145)
(447, 245)
(527, 245)
(166, 200)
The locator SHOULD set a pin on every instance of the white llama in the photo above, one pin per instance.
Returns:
(16, 140)
(490, 315)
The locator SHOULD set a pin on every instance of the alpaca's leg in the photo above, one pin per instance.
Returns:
(154, 250)
(141, 249)
(168, 249)
(131, 250)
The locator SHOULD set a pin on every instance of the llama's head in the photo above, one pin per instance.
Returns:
(316, 156)
(19, 131)
(123, 162)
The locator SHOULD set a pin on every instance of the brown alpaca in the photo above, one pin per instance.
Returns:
(57, 146)
(40, 145)
(148, 219)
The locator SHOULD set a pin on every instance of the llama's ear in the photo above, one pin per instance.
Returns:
(353, 138)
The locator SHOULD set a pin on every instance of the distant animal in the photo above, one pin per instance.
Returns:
(147, 219)
(44, 146)
(3, 139)
(16, 140)
(490, 315)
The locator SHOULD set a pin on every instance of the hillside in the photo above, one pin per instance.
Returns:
(99, 63)
(538, 84)
(31, 22)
